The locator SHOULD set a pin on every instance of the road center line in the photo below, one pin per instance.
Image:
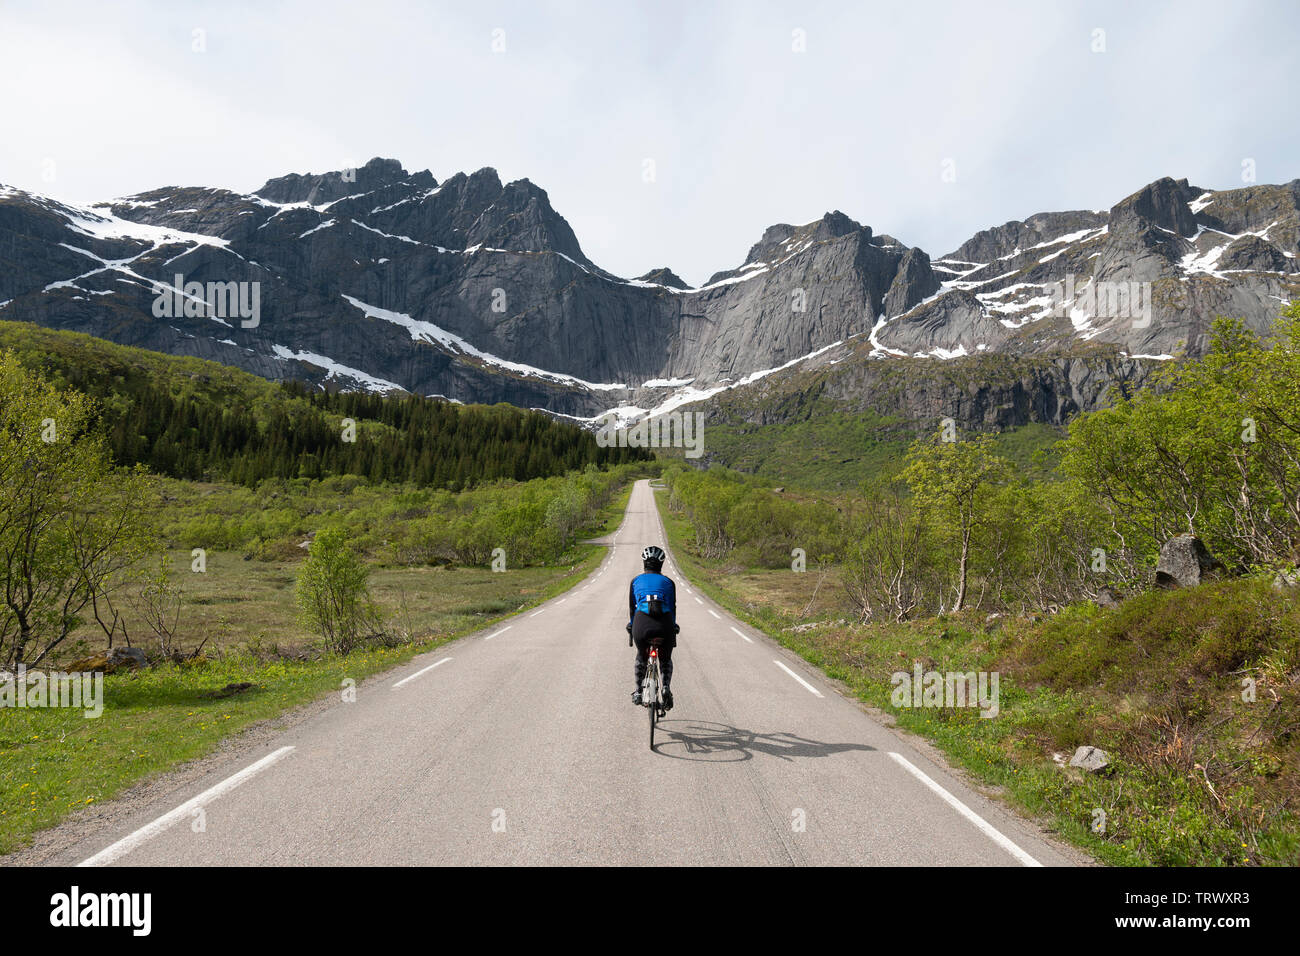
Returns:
(151, 830)
(424, 670)
(495, 633)
(744, 635)
(798, 678)
(986, 827)
(713, 612)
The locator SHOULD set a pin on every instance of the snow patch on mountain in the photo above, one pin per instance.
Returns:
(335, 369)
(422, 331)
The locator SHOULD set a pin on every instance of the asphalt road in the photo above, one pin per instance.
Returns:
(521, 745)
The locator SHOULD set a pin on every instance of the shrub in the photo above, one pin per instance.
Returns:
(334, 593)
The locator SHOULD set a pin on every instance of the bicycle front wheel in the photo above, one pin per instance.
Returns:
(652, 703)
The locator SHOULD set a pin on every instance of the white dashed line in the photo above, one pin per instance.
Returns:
(744, 635)
(714, 613)
(495, 633)
(535, 613)
(986, 827)
(698, 601)
(129, 843)
(798, 678)
(422, 671)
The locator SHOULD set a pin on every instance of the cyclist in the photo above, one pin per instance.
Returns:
(652, 607)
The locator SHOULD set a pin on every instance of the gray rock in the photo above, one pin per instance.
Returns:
(1162, 204)
(1256, 254)
(664, 276)
(1286, 580)
(1090, 759)
(1184, 562)
(131, 657)
(913, 282)
(1002, 241)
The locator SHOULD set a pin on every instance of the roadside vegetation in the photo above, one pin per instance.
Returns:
(244, 600)
(961, 561)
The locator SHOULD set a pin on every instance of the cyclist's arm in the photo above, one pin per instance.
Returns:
(631, 600)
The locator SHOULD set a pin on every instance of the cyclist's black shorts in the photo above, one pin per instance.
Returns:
(647, 630)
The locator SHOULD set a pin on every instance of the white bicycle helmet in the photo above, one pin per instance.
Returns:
(653, 555)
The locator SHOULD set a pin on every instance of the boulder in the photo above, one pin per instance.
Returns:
(1106, 598)
(1091, 759)
(1184, 562)
(131, 657)
(1286, 580)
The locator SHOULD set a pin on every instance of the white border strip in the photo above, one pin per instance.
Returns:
(424, 670)
(495, 633)
(985, 827)
(744, 635)
(798, 678)
(151, 830)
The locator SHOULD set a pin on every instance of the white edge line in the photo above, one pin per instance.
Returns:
(495, 633)
(798, 678)
(535, 613)
(423, 670)
(151, 830)
(744, 635)
(714, 613)
(987, 828)
(698, 601)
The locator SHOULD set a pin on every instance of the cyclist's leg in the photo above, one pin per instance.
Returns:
(641, 660)
(666, 665)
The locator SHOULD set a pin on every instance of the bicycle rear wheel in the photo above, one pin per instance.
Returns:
(652, 700)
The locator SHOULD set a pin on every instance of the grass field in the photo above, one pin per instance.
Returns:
(55, 760)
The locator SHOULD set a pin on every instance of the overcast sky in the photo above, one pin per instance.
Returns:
(927, 121)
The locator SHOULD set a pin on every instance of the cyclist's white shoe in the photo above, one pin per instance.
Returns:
(636, 697)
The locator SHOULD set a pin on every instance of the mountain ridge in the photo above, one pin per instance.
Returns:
(380, 278)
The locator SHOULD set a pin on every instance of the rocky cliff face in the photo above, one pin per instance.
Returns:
(479, 291)
(1149, 276)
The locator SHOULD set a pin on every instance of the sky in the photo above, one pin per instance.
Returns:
(667, 134)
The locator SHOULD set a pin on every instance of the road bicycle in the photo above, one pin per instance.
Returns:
(652, 688)
(652, 697)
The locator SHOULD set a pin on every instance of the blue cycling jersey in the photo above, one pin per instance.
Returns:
(647, 586)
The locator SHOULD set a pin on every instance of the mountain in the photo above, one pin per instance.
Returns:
(381, 279)
(1192, 253)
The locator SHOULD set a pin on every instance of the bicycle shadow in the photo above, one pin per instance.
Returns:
(708, 741)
